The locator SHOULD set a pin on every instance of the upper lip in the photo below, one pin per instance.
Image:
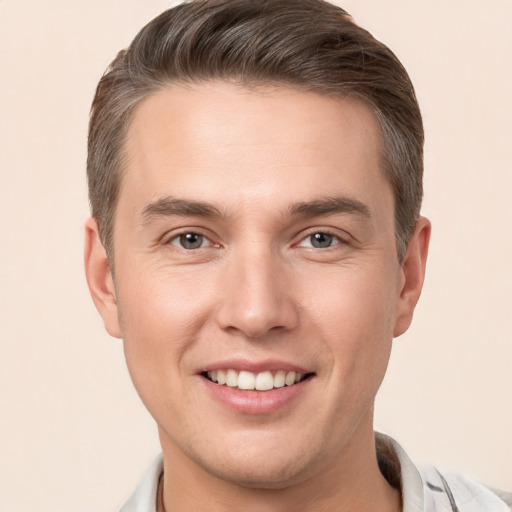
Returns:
(254, 366)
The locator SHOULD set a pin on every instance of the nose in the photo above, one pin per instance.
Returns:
(257, 296)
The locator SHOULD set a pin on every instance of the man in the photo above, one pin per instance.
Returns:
(255, 177)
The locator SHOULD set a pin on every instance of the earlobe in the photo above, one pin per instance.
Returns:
(413, 275)
(99, 279)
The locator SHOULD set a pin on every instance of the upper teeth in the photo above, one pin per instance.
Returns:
(260, 381)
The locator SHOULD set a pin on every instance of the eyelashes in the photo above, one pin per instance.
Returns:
(320, 240)
(193, 240)
(189, 241)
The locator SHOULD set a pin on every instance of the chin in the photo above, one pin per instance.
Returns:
(275, 476)
(258, 467)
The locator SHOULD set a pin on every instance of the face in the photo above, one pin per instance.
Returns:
(257, 286)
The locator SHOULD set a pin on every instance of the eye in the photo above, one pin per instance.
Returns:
(319, 240)
(190, 241)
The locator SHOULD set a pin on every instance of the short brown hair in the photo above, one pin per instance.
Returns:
(311, 45)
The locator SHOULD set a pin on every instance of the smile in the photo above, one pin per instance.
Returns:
(262, 381)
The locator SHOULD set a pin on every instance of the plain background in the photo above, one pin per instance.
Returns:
(73, 433)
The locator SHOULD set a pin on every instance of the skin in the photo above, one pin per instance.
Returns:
(257, 289)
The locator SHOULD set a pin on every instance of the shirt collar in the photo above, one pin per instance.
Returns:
(145, 495)
(405, 472)
(389, 452)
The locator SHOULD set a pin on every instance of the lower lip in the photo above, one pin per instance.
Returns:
(256, 402)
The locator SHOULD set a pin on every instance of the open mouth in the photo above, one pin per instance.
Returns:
(262, 381)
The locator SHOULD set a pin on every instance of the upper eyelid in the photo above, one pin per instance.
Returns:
(342, 235)
(177, 232)
(338, 238)
(172, 239)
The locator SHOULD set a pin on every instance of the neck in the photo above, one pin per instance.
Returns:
(351, 481)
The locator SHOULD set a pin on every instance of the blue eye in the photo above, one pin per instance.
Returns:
(189, 241)
(319, 240)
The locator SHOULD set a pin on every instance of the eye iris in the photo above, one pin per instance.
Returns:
(321, 240)
(191, 240)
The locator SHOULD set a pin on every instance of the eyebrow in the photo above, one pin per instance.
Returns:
(168, 206)
(330, 205)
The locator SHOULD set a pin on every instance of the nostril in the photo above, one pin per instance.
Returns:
(256, 304)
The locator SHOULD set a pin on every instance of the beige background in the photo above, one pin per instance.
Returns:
(73, 434)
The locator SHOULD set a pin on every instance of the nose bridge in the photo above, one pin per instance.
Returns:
(257, 296)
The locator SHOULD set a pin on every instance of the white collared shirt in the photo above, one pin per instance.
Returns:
(422, 491)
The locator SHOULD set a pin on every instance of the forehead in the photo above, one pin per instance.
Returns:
(220, 138)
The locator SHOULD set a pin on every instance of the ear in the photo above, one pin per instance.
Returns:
(99, 279)
(413, 274)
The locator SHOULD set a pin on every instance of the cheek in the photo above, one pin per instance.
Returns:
(160, 318)
(354, 314)
(163, 304)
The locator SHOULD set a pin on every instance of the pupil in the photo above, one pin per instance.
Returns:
(191, 240)
(321, 240)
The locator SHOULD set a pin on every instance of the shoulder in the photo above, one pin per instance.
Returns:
(452, 491)
(427, 489)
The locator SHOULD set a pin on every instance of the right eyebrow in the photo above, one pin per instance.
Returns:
(168, 206)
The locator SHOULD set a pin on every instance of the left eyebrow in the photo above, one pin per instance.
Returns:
(330, 205)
